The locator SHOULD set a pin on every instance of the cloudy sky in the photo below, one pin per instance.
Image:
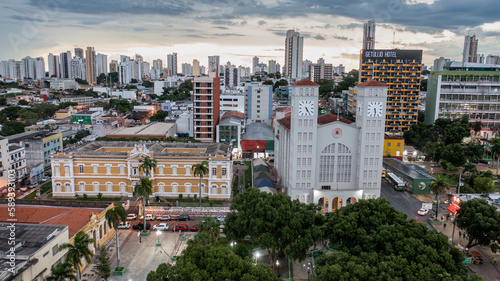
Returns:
(237, 30)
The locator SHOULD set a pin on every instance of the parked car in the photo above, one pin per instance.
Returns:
(484, 161)
(423, 211)
(161, 226)
(182, 226)
(140, 226)
(195, 228)
(183, 218)
(124, 225)
(45, 178)
(221, 228)
(131, 217)
(149, 217)
(221, 218)
(163, 218)
(33, 185)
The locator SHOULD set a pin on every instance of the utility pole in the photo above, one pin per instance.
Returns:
(455, 220)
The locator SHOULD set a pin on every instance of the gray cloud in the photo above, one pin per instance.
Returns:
(261, 22)
(319, 37)
(343, 38)
(221, 27)
(227, 34)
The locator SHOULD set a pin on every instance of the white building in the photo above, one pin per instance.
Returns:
(184, 122)
(172, 64)
(293, 54)
(101, 61)
(231, 76)
(129, 95)
(329, 160)
(259, 103)
(17, 160)
(4, 161)
(187, 69)
(78, 68)
(272, 66)
(232, 100)
(54, 66)
(168, 82)
(196, 68)
(62, 84)
(213, 64)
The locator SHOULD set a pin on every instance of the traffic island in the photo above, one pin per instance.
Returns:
(435, 222)
(145, 233)
(119, 271)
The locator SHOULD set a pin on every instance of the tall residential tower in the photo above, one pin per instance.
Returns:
(293, 54)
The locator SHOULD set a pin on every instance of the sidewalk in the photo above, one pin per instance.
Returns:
(486, 270)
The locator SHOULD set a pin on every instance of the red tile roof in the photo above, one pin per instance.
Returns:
(305, 82)
(322, 120)
(233, 113)
(74, 218)
(392, 138)
(372, 83)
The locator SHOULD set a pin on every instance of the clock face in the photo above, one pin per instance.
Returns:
(359, 109)
(337, 132)
(374, 109)
(306, 108)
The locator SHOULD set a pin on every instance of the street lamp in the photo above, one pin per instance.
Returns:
(278, 266)
(158, 232)
(257, 254)
(308, 269)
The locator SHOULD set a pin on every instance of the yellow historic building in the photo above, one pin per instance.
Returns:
(112, 168)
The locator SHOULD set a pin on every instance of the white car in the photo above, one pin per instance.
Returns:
(45, 178)
(221, 218)
(149, 217)
(161, 226)
(124, 225)
(163, 218)
(422, 212)
(131, 217)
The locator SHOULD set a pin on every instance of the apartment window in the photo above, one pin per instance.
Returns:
(311, 123)
(399, 144)
(309, 160)
(109, 187)
(188, 169)
(55, 249)
(258, 106)
(304, 162)
(300, 123)
(95, 167)
(303, 174)
(224, 172)
(365, 174)
(298, 175)
(160, 170)
(326, 187)
(308, 174)
(298, 162)
(214, 171)
(299, 149)
(135, 171)
(389, 144)
(310, 137)
(80, 169)
(108, 169)
(66, 170)
(122, 169)
(57, 171)
(309, 148)
(300, 137)
(96, 187)
(82, 186)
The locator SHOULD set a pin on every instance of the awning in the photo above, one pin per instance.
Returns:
(452, 208)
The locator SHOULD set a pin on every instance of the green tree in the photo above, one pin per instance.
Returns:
(470, 169)
(481, 221)
(80, 81)
(453, 153)
(200, 169)
(103, 268)
(144, 189)
(114, 216)
(281, 82)
(28, 116)
(101, 78)
(473, 151)
(113, 77)
(148, 84)
(199, 262)
(421, 116)
(45, 110)
(495, 149)
(133, 81)
(159, 116)
(423, 85)
(349, 81)
(325, 87)
(23, 102)
(12, 128)
(211, 226)
(275, 223)
(484, 185)
(61, 272)
(476, 127)
(66, 104)
(148, 164)
(373, 241)
(78, 251)
(3, 101)
(186, 86)
(437, 186)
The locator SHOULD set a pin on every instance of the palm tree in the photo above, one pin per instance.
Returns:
(114, 216)
(200, 169)
(78, 250)
(469, 168)
(144, 189)
(438, 185)
(212, 227)
(147, 164)
(495, 148)
(476, 127)
(61, 272)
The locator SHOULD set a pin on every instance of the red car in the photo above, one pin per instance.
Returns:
(195, 228)
(182, 226)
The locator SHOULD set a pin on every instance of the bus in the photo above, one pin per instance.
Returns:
(395, 181)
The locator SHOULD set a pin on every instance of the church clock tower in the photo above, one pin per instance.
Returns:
(370, 118)
(303, 134)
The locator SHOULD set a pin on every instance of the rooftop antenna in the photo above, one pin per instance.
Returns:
(393, 39)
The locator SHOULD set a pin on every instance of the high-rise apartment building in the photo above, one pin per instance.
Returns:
(90, 65)
(231, 76)
(213, 64)
(369, 35)
(320, 70)
(39, 68)
(196, 68)
(400, 70)
(79, 52)
(54, 66)
(470, 49)
(186, 69)
(206, 107)
(259, 103)
(255, 64)
(294, 44)
(272, 66)
(158, 64)
(65, 61)
(172, 64)
(78, 68)
(113, 66)
(27, 68)
(101, 64)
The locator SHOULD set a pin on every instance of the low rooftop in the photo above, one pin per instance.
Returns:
(29, 237)
(29, 135)
(322, 120)
(258, 131)
(157, 128)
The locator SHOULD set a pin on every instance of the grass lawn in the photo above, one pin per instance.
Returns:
(451, 179)
(46, 187)
(32, 195)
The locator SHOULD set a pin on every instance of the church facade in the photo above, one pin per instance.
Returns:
(329, 160)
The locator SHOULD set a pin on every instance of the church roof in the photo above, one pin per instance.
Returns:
(372, 83)
(322, 120)
(305, 82)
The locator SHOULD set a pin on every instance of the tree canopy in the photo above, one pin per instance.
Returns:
(374, 241)
(481, 221)
(444, 130)
(208, 263)
(349, 81)
(159, 116)
(275, 223)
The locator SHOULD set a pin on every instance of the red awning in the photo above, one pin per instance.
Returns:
(452, 208)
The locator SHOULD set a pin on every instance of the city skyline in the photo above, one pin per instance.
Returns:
(238, 32)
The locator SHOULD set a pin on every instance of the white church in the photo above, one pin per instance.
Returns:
(329, 160)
